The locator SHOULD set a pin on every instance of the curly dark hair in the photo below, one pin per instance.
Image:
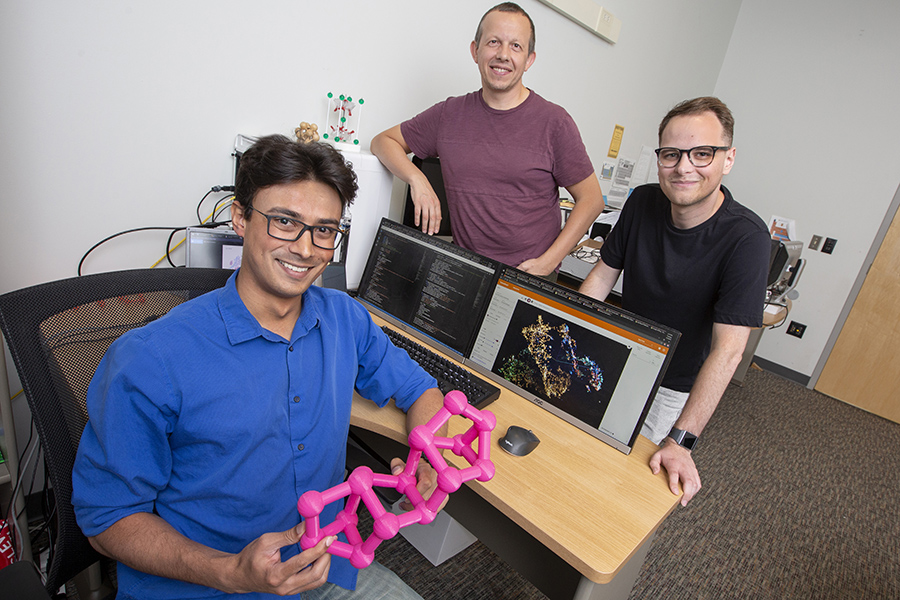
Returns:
(276, 159)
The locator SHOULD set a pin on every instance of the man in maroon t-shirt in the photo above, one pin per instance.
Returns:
(505, 152)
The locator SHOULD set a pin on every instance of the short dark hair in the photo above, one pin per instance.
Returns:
(702, 105)
(510, 7)
(277, 159)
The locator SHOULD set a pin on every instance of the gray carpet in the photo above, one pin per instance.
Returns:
(799, 500)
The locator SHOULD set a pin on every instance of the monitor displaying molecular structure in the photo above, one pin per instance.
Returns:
(359, 485)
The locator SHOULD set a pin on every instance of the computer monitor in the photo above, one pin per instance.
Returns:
(218, 248)
(785, 268)
(784, 256)
(427, 287)
(592, 364)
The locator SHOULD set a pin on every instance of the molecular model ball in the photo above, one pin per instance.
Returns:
(359, 485)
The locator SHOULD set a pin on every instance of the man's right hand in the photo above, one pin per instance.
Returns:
(259, 568)
(427, 208)
(392, 150)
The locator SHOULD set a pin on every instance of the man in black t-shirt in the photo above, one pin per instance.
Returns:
(695, 260)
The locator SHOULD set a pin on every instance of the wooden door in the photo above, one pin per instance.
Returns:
(863, 368)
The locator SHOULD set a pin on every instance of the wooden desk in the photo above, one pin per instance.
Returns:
(590, 504)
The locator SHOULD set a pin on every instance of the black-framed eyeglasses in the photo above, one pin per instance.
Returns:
(287, 229)
(700, 156)
(588, 255)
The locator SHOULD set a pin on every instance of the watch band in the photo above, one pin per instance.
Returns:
(684, 438)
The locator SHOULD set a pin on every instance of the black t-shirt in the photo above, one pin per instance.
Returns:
(690, 278)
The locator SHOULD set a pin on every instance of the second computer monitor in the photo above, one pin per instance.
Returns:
(594, 365)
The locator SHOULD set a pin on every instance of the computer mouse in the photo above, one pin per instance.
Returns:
(519, 441)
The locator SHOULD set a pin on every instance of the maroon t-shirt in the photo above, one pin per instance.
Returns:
(502, 170)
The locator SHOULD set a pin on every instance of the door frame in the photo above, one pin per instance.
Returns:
(854, 291)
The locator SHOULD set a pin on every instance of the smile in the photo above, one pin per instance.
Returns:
(293, 268)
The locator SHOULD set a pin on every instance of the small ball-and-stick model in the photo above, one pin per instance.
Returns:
(360, 484)
(307, 132)
(342, 119)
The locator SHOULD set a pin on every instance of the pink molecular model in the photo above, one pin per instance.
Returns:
(360, 484)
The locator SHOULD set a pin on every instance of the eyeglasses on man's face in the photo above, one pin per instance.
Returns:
(700, 156)
(287, 229)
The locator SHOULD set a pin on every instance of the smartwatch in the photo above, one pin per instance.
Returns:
(683, 438)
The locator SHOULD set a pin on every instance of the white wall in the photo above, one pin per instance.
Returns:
(119, 115)
(122, 115)
(814, 89)
(114, 115)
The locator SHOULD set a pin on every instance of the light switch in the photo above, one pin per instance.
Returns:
(608, 27)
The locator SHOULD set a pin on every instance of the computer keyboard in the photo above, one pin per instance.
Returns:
(450, 376)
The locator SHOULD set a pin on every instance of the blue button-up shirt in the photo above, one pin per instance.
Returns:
(219, 426)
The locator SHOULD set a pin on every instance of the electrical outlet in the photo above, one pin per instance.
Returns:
(796, 329)
(828, 246)
(814, 242)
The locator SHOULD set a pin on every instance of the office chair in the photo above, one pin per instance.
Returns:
(22, 581)
(57, 333)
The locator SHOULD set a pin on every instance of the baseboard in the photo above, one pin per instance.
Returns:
(776, 369)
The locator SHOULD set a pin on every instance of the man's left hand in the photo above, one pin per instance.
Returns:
(426, 478)
(536, 267)
(679, 465)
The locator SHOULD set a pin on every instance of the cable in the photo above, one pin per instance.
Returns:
(214, 189)
(200, 220)
(210, 221)
(787, 311)
(115, 235)
(166, 255)
(169, 245)
(12, 518)
(226, 203)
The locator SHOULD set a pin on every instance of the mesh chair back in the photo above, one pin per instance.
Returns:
(57, 334)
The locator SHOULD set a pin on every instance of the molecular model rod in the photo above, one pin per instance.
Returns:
(360, 485)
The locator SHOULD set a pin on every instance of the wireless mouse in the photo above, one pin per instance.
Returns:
(519, 441)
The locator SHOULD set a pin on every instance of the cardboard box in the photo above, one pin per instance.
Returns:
(575, 267)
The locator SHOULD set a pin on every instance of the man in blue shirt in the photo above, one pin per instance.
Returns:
(207, 425)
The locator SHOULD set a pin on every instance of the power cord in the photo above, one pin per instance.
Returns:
(787, 311)
(115, 235)
(213, 190)
(210, 222)
(12, 516)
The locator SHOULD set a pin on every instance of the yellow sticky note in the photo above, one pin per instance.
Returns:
(616, 142)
